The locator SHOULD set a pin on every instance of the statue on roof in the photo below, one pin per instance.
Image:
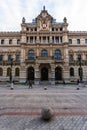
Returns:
(65, 20)
(44, 8)
(23, 20)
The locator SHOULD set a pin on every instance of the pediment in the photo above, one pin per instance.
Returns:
(44, 19)
(44, 15)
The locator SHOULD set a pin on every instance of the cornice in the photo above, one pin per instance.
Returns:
(77, 33)
(7, 34)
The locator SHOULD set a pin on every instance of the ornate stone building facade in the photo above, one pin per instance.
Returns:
(44, 50)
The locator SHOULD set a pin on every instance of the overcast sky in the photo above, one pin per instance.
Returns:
(12, 11)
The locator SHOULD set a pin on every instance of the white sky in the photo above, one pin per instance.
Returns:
(12, 11)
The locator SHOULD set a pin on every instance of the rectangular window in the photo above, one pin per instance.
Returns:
(48, 39)
(9, 57)
(10, 41)
(35, 29)
(86, 57)
(52, 29)
(53, 39)
(60, 39)
(79, 57)
(44, 39)
(57, 39)
(78, 41)
(70, 41)
(18, 41)
(2, 41)
(71, 57)
(1, 57)
(31, 39)
(17, 57)
(61, 29)
(85, 41)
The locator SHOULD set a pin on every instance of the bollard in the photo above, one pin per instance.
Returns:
(46, 113)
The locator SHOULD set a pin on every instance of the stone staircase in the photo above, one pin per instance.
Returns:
(45, 83)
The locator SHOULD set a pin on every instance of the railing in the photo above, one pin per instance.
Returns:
(44, 57)
(58, 59)
(30, 60)
(75, 62)
(5, 63)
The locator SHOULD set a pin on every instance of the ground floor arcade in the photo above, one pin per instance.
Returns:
(42, 72)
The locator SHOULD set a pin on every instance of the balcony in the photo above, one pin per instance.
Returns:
(58, 59)
(30, 60)
(5, 63)
(16, 62)
(44, 58)
(76, 62)
(1, 62)
(73, 62)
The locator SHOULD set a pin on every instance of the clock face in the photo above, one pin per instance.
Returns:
(44, 25)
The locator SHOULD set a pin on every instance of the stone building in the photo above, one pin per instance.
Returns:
(43, 50)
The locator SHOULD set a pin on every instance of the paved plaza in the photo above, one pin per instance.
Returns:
(20, 109)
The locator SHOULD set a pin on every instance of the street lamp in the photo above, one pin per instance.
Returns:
(80, 70)
(81, 84)
(11, 78)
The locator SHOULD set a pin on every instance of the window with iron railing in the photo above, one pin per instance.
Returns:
(44, 53)
(57, 54)
(31, 54)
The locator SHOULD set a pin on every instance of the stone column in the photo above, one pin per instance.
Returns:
(22, 67)
(51, 51)
(50, 39)
(37, 75)
(66, 63)
(37, 51)
(52, 75)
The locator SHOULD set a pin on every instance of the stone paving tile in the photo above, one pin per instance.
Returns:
(20, 108)
(35, 123)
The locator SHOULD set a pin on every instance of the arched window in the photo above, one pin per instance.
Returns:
(71, 71)
(17, 72)
(58, 73)
(8, 71)
(44, 53)
(31, 54)
(57, 54)
(30, 73)
(1, 72)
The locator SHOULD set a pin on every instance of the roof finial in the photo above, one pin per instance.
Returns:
(44, 7)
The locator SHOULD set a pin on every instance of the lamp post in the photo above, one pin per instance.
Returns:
(81, 84)
(80, 70)
(11, 75)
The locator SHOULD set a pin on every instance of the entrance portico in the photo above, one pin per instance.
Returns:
(45, 70)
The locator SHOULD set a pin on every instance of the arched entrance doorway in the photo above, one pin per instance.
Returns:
(30, 73)
(58, 73)
(44, 74)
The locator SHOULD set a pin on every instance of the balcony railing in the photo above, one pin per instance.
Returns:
(58, 60)
(30, 60)
(76, 62)
(5, 63)
(44, 58)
